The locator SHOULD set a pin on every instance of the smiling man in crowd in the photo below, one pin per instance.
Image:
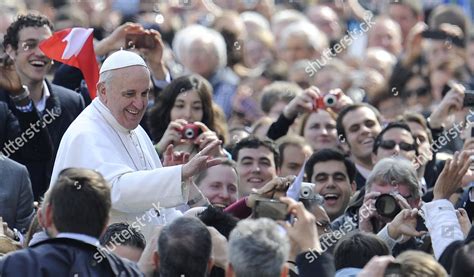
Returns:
(33, 91)
(358, 125)
(257, 161)
(333, 174)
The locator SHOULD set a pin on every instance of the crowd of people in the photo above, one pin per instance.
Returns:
(239, 138)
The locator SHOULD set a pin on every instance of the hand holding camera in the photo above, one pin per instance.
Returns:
(116, 40)
(404, 224)
(274, 189)
(190, 131)
(329, 100)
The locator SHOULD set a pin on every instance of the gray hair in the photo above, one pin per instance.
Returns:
(187, 36)
(278, 91)
(255, 18)
(397, 170)
(258, 248)
(287, 15)
(316, 39)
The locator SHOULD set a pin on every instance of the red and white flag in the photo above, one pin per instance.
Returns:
(74, 47)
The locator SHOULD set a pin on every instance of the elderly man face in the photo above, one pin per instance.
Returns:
(387, 35)
(125, 93)
(326, 20)
(394, 187)
(297, 47)
(201, 58)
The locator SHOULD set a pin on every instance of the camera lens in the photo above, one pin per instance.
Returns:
(387, 206)
(305, 192)
(330, 100)
(189, 133)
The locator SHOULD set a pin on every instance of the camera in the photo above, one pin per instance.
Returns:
(270, 208)
(308, 197)
(190, 131)
(387, 206)
(468, 98)
(140, 41)
(327, 101)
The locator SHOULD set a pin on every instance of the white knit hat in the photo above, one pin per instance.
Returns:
(121, 59)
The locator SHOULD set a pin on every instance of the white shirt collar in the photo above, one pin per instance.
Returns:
(41, 105)
(81, 237)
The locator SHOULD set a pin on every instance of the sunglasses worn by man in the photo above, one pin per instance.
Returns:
(390, 144)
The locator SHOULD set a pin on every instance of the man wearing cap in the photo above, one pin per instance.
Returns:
(107, 137)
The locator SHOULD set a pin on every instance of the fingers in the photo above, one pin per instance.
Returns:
(169, 150)
(295, 208)
(371, 195)
(276, 184)
(209, 148)
(402, 202)
(214, 161)
(203, 126)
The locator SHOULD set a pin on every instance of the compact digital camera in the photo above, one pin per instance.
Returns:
(327, 101)
(190, 131)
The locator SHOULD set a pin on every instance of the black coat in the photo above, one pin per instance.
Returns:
(62, 107)
(65, 257)
(16, 131)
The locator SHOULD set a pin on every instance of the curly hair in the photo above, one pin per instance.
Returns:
(21, 22)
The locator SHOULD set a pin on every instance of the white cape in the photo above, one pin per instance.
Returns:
(128, 161)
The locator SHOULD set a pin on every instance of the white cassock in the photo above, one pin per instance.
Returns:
(128, 161)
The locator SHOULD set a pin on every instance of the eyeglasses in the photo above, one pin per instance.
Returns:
(390, 144)
(29, 45)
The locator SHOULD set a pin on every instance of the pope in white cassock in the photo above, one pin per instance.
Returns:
(107, 137)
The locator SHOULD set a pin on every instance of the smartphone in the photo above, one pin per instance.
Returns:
(468, 98)
(140, 41)
(270, 208)
(393, 270)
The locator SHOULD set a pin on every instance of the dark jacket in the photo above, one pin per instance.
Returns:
(309, 265)
(62, 107)
(19, 141)
(65, 257)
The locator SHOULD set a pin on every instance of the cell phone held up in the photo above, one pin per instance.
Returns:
(270, 208)
(144, 40)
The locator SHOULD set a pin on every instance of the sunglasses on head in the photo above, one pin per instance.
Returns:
(390, 144)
